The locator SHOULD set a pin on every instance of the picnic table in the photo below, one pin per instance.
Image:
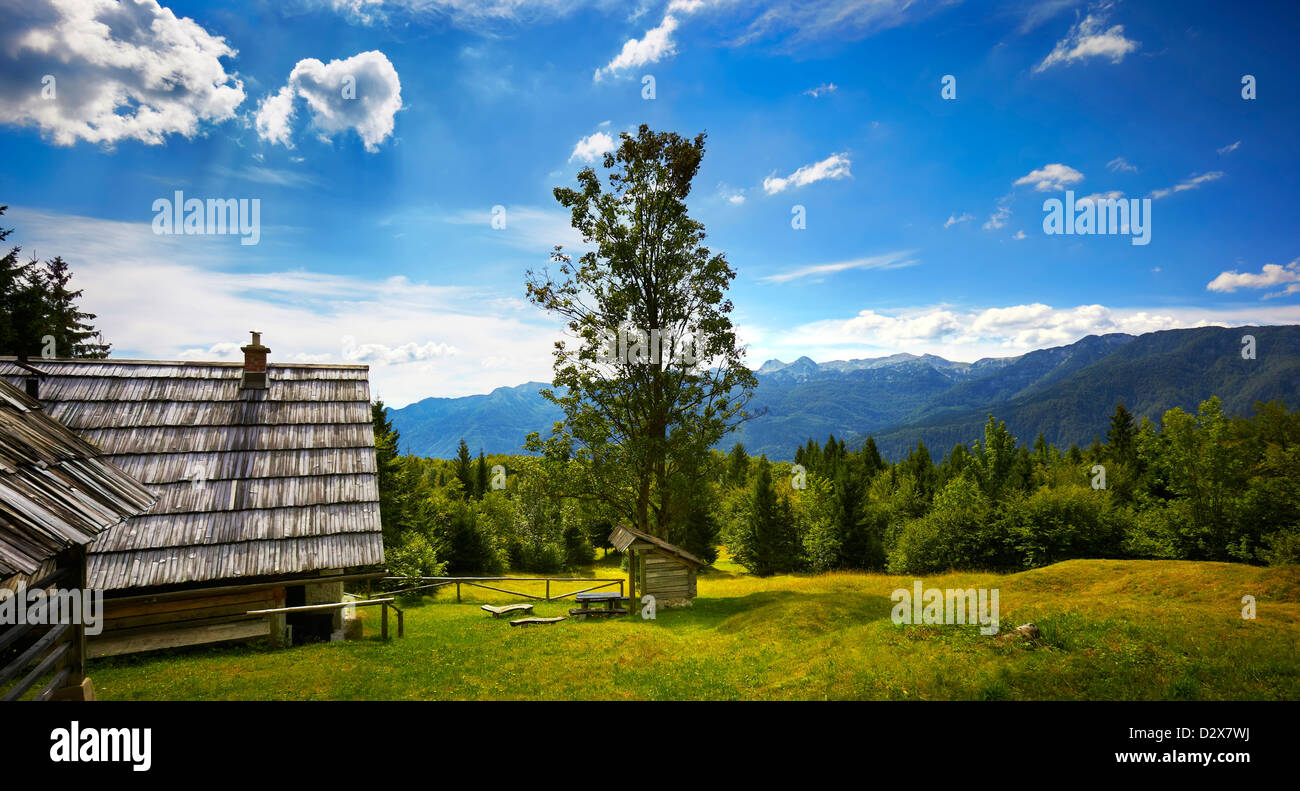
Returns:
(609, 598)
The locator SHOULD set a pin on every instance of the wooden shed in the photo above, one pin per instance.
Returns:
(57, 493)
(656, 567)
(266, 484)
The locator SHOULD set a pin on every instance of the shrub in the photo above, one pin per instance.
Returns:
(1060, 523)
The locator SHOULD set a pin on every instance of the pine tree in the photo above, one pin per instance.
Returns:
(737, 465)
(388, 468)
(766, 543)
(36, 304)
(68, 324)
(481, 476)
(1120, 435)
(21, 306)
(871, 459)
(465, 470)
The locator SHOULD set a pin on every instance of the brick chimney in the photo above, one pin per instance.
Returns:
(254, 363)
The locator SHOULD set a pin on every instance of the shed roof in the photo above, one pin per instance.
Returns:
(249, 482)
(623, 537)
(56, 489)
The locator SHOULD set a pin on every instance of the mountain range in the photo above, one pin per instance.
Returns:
(1066, 392)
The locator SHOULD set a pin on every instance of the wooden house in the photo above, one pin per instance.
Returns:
(266, 484)
(57, 493)
(656, 567)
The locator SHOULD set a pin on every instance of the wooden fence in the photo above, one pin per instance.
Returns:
(433, 583)
(383, 618)
(60, 650)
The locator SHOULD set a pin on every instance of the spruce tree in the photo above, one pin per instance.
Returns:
(74, 335)
(464, 469)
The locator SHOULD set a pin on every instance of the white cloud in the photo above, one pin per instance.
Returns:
(477, 15)
(592, 147)
(825, 89)
(362, 93)
(969, 334)
(1090, 38)
(179, 297)
(733, 196)
(1270, 275)
(1119, 164)
(999, 217)
(122, 71)
(1050, 178)
(836, 166)
(1100, 196)
(1229, 148)
(954, 219)
(1019, 235)
(803, 21)
(1191, 183)
(895, 260)
(654, 46)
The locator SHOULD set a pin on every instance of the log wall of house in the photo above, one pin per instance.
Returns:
(147, 623)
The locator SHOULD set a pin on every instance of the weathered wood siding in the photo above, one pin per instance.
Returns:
(668, 578)
(153, 622)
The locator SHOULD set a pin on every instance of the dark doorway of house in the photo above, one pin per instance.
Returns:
(308, 627)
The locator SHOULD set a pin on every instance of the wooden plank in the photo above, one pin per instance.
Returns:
(59, 681)
(176, 638)
(337, 605)
(497, 612)
(36, 649)
(578, 612)
(533, 621)
(184, 616)
(42, 667)
(199, 600)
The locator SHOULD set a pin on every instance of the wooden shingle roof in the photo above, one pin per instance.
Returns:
(56, 489)
(249, 482)
(624, 536)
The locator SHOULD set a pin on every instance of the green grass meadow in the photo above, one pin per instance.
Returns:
(1111, 630)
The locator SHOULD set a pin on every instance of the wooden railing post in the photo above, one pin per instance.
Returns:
(548, 590)
(383, 623)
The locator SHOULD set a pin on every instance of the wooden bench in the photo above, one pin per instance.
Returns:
(533, 621)
(497, 612)
(583, 611)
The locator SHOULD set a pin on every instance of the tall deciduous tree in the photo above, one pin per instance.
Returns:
(636, 418)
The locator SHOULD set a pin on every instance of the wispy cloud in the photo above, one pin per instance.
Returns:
(972, 333)
(1229, 148)
(835, 166)
(895, 260)
(1270, 275)
(953, 219)
(656, 45)
(824, 89)
(413, 334)
(1090, 38)
(1190, 183)
(1120, 165)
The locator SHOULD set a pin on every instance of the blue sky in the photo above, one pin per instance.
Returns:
(924, 215)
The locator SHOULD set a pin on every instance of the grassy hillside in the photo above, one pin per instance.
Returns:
(1110, 630)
